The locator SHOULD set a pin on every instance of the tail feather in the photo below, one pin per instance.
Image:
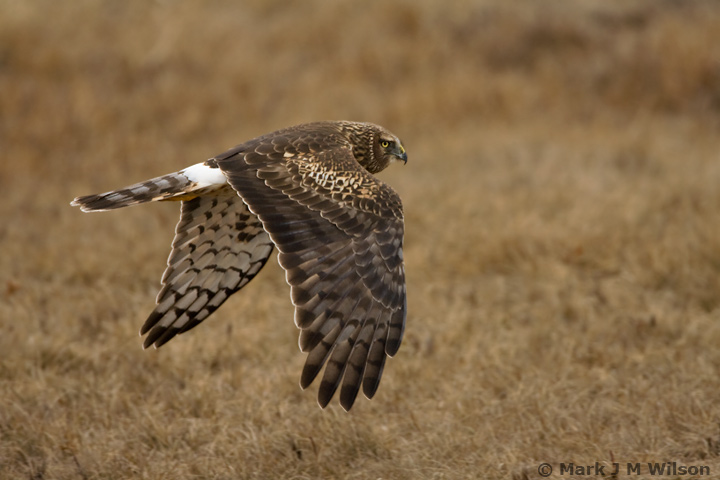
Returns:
(183, 185)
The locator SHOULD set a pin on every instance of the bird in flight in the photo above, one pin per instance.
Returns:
(308, 190)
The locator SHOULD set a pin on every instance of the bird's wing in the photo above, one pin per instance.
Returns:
(219, 247)
(339, 231)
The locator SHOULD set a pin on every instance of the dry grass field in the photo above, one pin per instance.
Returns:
(562, 202)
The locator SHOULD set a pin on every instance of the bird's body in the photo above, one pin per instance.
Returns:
(309, 190)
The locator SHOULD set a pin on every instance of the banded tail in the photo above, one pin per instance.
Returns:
(186, 184)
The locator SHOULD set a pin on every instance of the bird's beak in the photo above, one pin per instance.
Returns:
(402, 155)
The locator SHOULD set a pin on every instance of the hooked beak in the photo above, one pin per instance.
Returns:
(402, 155)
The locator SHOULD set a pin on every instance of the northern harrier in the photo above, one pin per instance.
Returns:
(309, 190)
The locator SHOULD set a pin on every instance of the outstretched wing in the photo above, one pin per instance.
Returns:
(219, 247)
(339, 231)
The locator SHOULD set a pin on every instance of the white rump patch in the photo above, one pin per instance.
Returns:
(204, 176)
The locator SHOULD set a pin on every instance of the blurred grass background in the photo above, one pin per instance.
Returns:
(562, 246)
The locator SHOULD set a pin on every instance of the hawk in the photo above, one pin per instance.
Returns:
(308, 190)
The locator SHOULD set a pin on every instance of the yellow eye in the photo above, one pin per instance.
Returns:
(384, 144)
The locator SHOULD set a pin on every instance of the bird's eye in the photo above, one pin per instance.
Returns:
(384, 144)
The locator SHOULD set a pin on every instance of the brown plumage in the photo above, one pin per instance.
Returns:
(309, 191)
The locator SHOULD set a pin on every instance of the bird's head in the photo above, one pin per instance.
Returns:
(388, 148)
(374, 147)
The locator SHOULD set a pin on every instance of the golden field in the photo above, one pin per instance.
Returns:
(562, 202)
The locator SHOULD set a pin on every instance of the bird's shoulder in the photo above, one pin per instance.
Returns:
(304, 141)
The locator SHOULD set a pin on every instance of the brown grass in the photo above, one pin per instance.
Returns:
(563, 236)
